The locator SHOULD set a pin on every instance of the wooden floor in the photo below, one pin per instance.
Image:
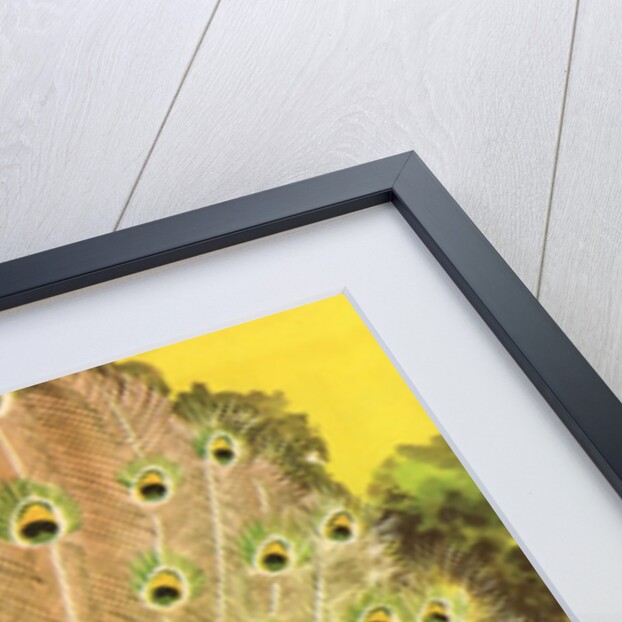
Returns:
(113, 114)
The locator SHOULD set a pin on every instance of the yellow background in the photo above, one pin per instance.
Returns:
(328, 364)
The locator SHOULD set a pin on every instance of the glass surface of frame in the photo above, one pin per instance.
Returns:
(547, 491)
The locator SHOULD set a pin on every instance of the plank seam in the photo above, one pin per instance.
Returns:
(547, 218)
(167, 115)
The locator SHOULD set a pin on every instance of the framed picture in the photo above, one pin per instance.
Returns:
(287, 407)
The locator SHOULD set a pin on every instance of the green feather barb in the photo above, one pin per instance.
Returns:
(262, 425)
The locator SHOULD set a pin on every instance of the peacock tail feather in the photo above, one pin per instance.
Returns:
(120, 502)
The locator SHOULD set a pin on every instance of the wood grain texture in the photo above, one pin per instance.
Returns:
(279, 92)
(582, 275)
(84, 87)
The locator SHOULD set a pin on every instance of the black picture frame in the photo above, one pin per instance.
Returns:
(572, 388)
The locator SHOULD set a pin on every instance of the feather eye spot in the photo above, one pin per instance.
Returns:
(151, 481)
(275, 556)
(152, 486)
(36, 522)
(34, 514)
(340, 527)
(165, 581)
(165, 589)
(436, 611)
(379, 614)
(223, 450)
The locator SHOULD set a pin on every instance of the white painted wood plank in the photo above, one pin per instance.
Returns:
(281, 91)
(582, 276)
(84, 87)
